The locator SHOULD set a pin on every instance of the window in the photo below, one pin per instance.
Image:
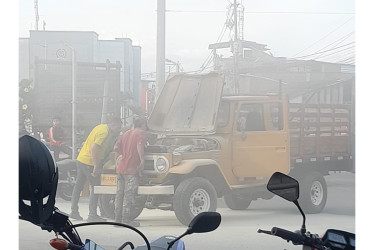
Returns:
(251, 118)
(223, 114)
(276, 117)
(260, 117)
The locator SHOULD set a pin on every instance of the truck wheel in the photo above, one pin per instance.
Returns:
(107, 206)
(193, 196)
(237, 202)
(313, 193)
(67, 177)
(106, 203)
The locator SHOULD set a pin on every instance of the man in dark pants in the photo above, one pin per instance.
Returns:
(131, 147)
(89, 165)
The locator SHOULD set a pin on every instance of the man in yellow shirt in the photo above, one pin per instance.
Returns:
(97, 146)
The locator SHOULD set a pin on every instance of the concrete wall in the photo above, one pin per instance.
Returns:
(23, 59)
(57, 45)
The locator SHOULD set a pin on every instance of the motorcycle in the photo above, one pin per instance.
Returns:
(67, 169)
(59, 223)
(333, 239)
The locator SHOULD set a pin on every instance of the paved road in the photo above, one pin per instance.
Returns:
(238, 228)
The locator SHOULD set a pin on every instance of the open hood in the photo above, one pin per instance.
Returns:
(187, 105)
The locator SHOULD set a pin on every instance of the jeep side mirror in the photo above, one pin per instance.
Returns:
(243, 136)
(240, 126)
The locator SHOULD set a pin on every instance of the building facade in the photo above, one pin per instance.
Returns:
(251, 70)
(86, 46)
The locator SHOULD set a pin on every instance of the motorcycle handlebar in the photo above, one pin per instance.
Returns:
(287, 235)
(74, 246)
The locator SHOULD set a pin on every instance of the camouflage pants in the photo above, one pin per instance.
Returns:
(127, 188)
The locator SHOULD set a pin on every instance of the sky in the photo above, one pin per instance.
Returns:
(188, 34)
(287, 27)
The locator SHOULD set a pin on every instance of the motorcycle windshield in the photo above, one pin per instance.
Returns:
(187, 105)
(90, 245)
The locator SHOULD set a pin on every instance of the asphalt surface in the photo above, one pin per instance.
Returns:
(238, 229)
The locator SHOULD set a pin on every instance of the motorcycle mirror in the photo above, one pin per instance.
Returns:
(287, 188)
(204, 222)
(284, 186)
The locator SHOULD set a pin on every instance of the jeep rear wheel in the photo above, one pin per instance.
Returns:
(107, 206)
(237, 202)
(313, 193)
(193, 196)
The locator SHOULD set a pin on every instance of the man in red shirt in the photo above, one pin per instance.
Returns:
(56, 136)
(131, 147)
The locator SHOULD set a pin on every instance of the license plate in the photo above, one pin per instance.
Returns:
(109, 179)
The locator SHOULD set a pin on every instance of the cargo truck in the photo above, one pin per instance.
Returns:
(205, 145)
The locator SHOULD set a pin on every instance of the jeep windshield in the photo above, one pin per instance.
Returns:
(187, 105)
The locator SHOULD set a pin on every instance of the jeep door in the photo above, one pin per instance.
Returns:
(260, 143)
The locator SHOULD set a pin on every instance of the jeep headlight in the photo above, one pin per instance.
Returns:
(161, 165)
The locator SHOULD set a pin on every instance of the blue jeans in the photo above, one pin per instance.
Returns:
(84, 174)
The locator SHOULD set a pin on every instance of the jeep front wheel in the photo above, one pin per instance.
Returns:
(237, 202)
(193, 196)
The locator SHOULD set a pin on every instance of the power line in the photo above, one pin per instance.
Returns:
(347, 55)
(317, 53)
(322, 55)
(337, 42)
(264, 12)
(338, 52)
(211, 56)
(295, 12)
(324, 36)
(335, 56)
(350, 60)
(342, 57)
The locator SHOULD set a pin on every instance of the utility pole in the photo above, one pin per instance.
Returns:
(36, 15)
(235, 49)
(105, 95)
(160, 54)
(73, 101)
(235, 22)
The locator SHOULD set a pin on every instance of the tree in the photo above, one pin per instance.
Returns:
(25, 102)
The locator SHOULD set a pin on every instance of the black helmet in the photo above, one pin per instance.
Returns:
(38, 177)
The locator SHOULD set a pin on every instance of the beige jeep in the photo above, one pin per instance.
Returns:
(207, 146)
